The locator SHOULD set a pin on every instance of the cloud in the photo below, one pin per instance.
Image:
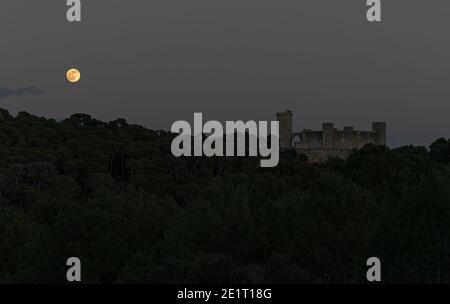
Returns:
(5, 92)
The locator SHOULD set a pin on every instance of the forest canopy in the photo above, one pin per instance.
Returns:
(112, 194)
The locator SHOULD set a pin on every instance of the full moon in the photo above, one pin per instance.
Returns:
(73, 75)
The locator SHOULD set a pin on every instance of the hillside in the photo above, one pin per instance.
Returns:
(113, 195)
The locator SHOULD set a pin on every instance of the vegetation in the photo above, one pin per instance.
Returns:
(114, 196)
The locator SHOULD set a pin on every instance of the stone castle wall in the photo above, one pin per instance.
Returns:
(328, 142)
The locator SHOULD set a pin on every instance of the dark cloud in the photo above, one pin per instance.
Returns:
(5, 92)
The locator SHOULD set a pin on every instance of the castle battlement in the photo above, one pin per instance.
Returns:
(328, 142)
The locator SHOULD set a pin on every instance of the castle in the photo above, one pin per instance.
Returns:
(329, 142)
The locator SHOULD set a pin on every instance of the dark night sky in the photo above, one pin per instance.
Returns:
(154, 62)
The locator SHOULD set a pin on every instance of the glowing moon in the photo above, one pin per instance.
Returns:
(73, 75)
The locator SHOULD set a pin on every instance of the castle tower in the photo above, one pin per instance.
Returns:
(379, 128)
(327, 135)
(285, 120)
